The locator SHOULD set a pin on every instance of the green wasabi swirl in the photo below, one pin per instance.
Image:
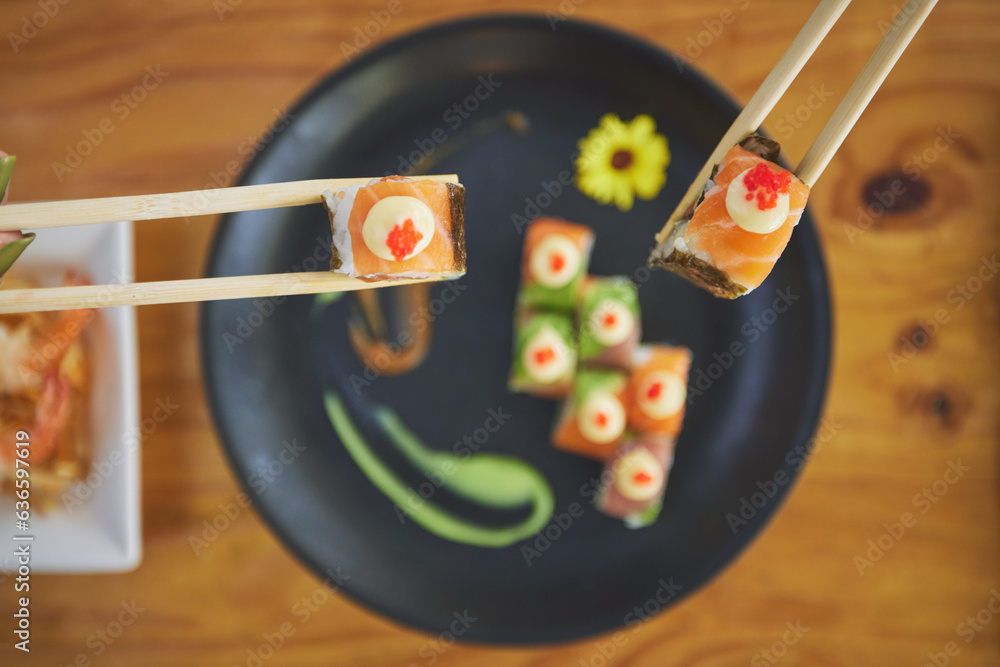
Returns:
(491, 480)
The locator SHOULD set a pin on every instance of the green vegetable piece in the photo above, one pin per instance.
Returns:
(9, 252)
(6, 169)
(595, 292)
(646, 517)
(326, 298)
(589, 380)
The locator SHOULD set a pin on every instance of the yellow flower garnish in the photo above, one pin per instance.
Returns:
(619, 161)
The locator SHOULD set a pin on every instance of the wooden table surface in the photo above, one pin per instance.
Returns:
(899, 423)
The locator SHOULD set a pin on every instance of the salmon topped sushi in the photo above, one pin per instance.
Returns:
(593, 419)
(657, 391)
(732, 238)
(556, 257)
(397, 227)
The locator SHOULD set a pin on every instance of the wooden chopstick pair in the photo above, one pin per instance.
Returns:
(874, 72)
(27, 217)
(246, 198)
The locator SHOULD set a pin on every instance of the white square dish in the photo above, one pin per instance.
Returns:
(102, 531)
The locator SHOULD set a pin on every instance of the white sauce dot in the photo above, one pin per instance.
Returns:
(661, 394)
(547, 358)
(396, 210)
(639, 475)
(611, 323)
(555, 261)
(748, 215)
(601, 417)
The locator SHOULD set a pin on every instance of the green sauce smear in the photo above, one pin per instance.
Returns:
(490, 480)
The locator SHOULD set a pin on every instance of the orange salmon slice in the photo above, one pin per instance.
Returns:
(446, 251)
(746, 257)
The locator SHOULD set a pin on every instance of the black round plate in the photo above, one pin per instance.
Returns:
(267, 364)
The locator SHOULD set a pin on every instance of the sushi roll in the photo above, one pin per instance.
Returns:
(610, 326)
(544, 354)
(556, 256)
(397, 227)
(657, 389)
(634, 479)
(729, 242)
(592, 421)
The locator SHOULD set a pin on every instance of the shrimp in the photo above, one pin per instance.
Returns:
(36, 387)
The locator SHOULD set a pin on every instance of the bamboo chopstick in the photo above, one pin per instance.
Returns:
(203, 289)
(764, 100)
(175, 204)
(891, 46)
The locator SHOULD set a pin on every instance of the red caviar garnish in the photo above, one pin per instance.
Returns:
(544, 355)
(556, 262)
(642, 478)
(610, 319)
(766, 185)
(601, 419)
(403, 239)
(655, 390)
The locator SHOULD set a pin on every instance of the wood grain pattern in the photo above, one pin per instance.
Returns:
(932, 127)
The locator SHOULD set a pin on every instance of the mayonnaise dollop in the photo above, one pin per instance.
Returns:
(611, 322)
(555, 261)
(743, 207)
(389, 212)
(638, 475)
(547, 358)
(661, 394)
(601, 417)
